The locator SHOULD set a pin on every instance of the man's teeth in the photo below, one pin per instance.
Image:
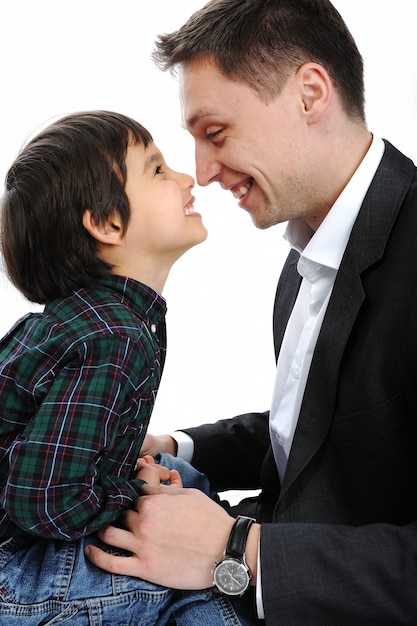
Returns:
(241, 191)
(189, 210)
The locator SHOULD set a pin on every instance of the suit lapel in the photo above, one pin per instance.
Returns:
(320, 395)
(286, 295)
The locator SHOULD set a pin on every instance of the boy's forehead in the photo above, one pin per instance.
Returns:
(139, 155)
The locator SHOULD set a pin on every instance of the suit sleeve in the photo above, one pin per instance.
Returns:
(231, 452)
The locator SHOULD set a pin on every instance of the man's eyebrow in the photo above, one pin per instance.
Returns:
(198, 116)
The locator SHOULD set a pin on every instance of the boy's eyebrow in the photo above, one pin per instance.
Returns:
(153, 158)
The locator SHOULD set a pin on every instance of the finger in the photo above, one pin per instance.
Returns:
(149, 475)
(163, 472)
(143, 461)
(153, 474)
(117, 537)
(140, 463)
(123, 565)
(175, 479)
(162, 489)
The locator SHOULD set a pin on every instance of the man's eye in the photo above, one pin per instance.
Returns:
(214, 135)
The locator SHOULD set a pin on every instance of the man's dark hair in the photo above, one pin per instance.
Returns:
(262, 42)
(76, 163)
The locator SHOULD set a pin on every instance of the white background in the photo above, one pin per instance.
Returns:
(60, 56)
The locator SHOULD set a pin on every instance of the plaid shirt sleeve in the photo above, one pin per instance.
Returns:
(68, 468)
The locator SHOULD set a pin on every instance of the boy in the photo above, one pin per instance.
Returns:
(92, 221)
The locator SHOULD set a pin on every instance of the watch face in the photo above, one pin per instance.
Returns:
(231, 577)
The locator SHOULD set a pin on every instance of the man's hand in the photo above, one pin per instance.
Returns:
(158, 444)
(175, 535)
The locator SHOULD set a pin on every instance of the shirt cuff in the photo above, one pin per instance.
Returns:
(185, 445)
(259, 599)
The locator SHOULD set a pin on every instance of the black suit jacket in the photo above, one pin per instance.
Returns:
(339, 537)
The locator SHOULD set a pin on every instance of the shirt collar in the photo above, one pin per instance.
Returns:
(143, 300)
(326, 246)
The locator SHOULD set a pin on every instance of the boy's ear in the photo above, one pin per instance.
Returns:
(109, 231)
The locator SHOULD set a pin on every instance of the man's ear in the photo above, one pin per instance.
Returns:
(108, 231)
(316, 90)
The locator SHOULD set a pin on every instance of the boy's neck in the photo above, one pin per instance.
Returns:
(155, 278)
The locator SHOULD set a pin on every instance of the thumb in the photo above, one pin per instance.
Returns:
(170, 490)
(175, 479)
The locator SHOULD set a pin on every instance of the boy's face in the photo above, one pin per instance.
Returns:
(163, 224)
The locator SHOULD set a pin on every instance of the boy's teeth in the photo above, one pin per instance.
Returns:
(239, 193)
(189, 210)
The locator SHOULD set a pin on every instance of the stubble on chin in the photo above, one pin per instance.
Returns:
(266, 216)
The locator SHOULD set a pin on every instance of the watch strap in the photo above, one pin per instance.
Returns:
(238, 536)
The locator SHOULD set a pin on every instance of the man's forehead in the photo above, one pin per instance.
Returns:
(198, 101)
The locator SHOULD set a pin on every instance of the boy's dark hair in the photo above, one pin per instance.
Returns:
(262, 42)
(76, 163)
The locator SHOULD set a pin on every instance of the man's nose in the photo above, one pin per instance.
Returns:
(208, 168)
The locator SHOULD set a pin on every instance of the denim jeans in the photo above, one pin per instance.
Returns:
(51, 582)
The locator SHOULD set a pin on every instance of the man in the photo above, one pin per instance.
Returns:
(272, 92)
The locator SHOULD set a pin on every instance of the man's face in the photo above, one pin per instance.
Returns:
(253, 149)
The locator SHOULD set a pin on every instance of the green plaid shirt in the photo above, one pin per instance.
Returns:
(77, 387)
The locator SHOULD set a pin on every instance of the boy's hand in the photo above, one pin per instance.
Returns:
(155, 474)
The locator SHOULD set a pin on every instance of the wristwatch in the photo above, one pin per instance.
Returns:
(231, 574)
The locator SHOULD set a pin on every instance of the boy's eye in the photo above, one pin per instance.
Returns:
(158, 169)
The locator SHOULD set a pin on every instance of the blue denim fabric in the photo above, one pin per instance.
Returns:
(51, 582)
